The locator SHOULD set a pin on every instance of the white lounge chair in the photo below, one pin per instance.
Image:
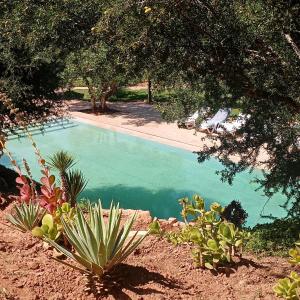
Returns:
(232, 126)
(216, 120)
(190, 122)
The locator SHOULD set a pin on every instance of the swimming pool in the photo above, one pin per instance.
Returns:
(141, 174)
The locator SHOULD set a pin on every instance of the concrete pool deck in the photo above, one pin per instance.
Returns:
(143, 120)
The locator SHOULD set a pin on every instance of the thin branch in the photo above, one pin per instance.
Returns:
(293, 44)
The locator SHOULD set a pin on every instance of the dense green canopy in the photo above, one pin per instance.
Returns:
(239, 54)
(227, 53)
(35, 38)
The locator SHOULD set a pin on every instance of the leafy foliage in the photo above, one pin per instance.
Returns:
(62, 161)
(214, 240)
(101, 73)
(241, 54)
(235, 214)
(98, 246)
(273, 238)
(34, 44)
(50, 196)
(51, 226)
(26, 216)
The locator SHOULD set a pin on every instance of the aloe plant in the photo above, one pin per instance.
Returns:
(26, 216)
(98, 245)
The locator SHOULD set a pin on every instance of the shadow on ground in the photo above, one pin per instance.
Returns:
(136, 279)
(136, 113)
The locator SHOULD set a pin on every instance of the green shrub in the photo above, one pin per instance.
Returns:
(215, 241)
(26, 216)
(274, 238)
(98, 245)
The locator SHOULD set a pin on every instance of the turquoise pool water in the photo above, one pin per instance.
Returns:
(142, 174)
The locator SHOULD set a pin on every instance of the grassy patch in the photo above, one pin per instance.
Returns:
(128, 95)
(274, 238)
(123, 95)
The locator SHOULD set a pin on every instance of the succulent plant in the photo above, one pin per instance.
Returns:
(288, 288)
(154, 227)
(295, 254)
(214, 240)
(98, 245)
(48, 228)
(26, 216)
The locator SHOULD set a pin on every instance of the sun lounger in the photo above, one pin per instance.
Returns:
(190, 122)
(216, 120)
(232, 126)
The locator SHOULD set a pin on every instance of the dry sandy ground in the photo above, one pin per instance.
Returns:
(157, 270)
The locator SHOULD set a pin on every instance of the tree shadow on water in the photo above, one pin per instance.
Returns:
(162, 203)
(135, 279)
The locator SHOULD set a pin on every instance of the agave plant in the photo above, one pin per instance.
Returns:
(98, 245)
(26, 216)
(62, 161)
(75, 183)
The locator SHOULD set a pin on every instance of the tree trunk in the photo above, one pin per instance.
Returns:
(92, 95)
(149, 98)
(108, 90)
(103, 105)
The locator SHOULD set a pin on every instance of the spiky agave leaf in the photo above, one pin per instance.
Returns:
(75, 183)
(61, 161)
(26, 216)
(98, 245)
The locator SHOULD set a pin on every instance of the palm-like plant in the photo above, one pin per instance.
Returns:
(26, 216)
(75, 183)
(98, 245)
(62, 161)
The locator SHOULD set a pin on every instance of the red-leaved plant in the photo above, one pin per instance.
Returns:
(26, 190)
(50, 196)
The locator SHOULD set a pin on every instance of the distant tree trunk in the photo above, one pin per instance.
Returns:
(149, 98)
(92, 95)
(108, 90)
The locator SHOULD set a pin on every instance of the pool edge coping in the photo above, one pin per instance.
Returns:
(136, 133)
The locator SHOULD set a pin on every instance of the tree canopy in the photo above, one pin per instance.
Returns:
(240, 54)
(35, 38)
(227, 53)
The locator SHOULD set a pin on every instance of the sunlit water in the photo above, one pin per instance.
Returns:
(142, 174)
